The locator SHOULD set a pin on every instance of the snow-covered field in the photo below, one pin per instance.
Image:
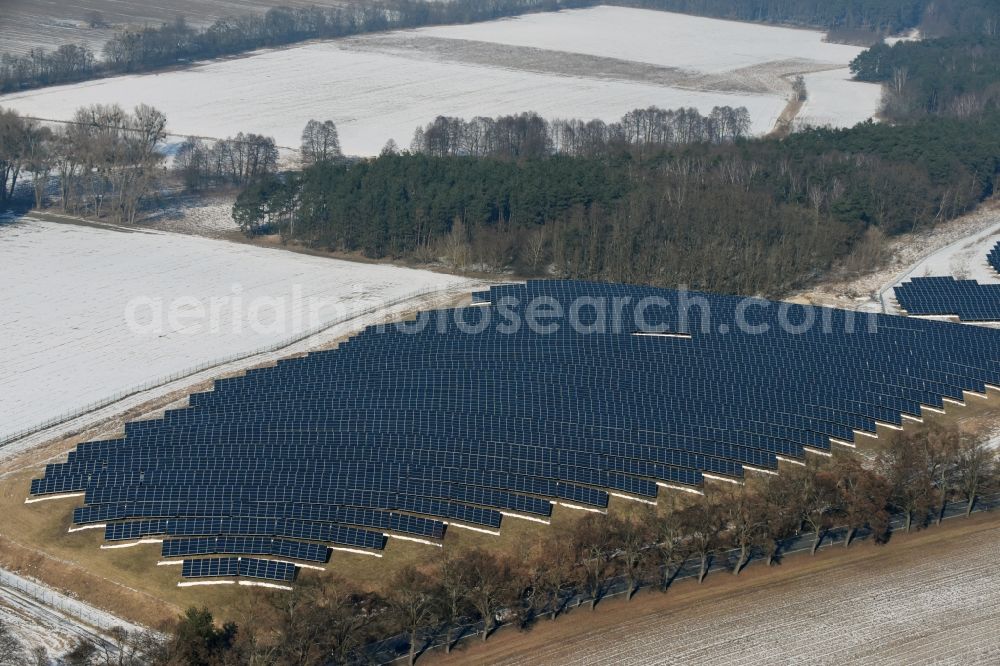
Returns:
(660, 38)
(591, 63)
(834, 99)
(89, 312)
(28, 24)
(202, 215)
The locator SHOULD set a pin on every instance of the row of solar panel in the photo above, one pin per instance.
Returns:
(467, 387)
(993, 258)
(355, 467)
(123, 475)
(942, 379)
(194, 507)
(881, 404)
(322, 449)
(315, 488)
(333, 449)
(494, 459)
(335, 413)
(247, 526)
(217, 567)
(384, 499)
(239, 545)
(842, 415)
(231, 513)
(461, 431)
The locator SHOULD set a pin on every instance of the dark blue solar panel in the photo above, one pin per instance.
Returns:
(966, 299)
(215, 567)
(994, 258)
(239, 545)
(406, 430)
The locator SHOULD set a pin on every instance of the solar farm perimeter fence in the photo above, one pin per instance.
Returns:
(8, 438)
(397, 647)
(64, 604)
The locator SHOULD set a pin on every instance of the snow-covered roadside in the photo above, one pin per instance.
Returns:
(964, 259)
(41, 617)
(958, 246)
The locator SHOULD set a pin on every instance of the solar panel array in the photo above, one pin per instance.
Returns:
(404, 429)
(967, 299)
(994, 257)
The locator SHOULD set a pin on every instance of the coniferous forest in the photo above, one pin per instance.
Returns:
(738, 216)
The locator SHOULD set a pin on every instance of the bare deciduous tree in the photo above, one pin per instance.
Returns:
(412, 604)
(452, 593)
(976, 467)
(702, 524)
(489, 583)
(903, 463)
(320, 142)
(746, 519)
(595, 545)
(863, 497)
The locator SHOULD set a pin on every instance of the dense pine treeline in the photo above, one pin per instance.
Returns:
(941, 17)
(755, 216)
(955, 76)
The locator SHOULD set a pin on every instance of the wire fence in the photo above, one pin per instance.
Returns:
(397, 647)
(350, 315)
(63, 603)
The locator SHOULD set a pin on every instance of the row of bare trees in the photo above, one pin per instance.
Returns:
(238, 160)
(106, 161)
(475, 590)
(106, 158)
(249, 158)
(529, 136)
(68, 62)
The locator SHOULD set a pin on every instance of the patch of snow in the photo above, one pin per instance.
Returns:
(913, 35)
(835, 100)
(662, 38)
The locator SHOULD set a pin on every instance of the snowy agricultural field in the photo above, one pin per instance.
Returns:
(88, 312)
(836, 100)
(28, 24)
(589, 63)
(660, 38)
